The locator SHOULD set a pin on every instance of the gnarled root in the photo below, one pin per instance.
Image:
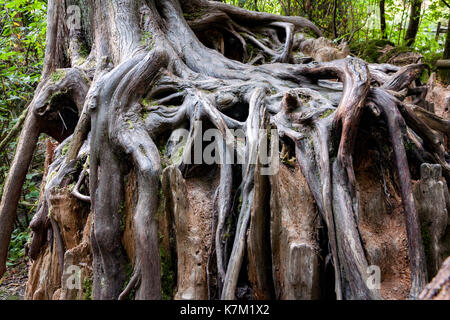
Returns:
(153, 77)
(388, 105)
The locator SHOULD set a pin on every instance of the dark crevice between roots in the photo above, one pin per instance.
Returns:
(327, 275)
(61, 117)
(238, 112)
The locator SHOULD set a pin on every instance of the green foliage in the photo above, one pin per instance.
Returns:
(270, 6)
(22, 30)
(16, 246)
(167, 275)
(87, 288)
(358, 22)
(31, 187)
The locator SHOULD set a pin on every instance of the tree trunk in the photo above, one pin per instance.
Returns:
(383, 19)
(414, 21)
(445, 74)
(131, 91)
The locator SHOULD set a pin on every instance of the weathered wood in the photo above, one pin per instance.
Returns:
(443, 64)
(397, 129)
(154, 77)
(432, 204)
(439, 287)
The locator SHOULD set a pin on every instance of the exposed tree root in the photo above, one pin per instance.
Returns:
(153, 78)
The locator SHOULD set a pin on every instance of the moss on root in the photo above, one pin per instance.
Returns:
(193, 15)
(371, 50)
(395, 52)
(65, 149)
(87, 288)
(58, 75)
(326, 113)
(147, 40)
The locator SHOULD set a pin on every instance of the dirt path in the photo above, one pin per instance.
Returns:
(13, 283)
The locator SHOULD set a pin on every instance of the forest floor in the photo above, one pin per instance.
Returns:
(13, 283)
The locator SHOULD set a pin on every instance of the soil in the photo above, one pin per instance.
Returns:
(13, 283)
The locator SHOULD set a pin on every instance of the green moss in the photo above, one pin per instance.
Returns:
(58, 75)
(193, 15)
(65, 149)
(162, 150)
(178, 155)
(141, 147)
(326, 113)
(145, 115)
(370, 50)
(130, 124)
(229, 221)
(52, 175)
(147, 40)
(285, 156)
(83, 50)
(167, 274)
(80, 61)
(409, 146)
(395, 52)
(305, 98)
(71, 186)
(87, 288)
(149, 103)
(161, 199)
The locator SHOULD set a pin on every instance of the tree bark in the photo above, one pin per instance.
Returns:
(414, 21)
(152, 70)
(383, 19)
(445, 74)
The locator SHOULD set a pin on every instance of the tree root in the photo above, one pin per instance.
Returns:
(76, 193)
(397, 128)
(143, 89)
